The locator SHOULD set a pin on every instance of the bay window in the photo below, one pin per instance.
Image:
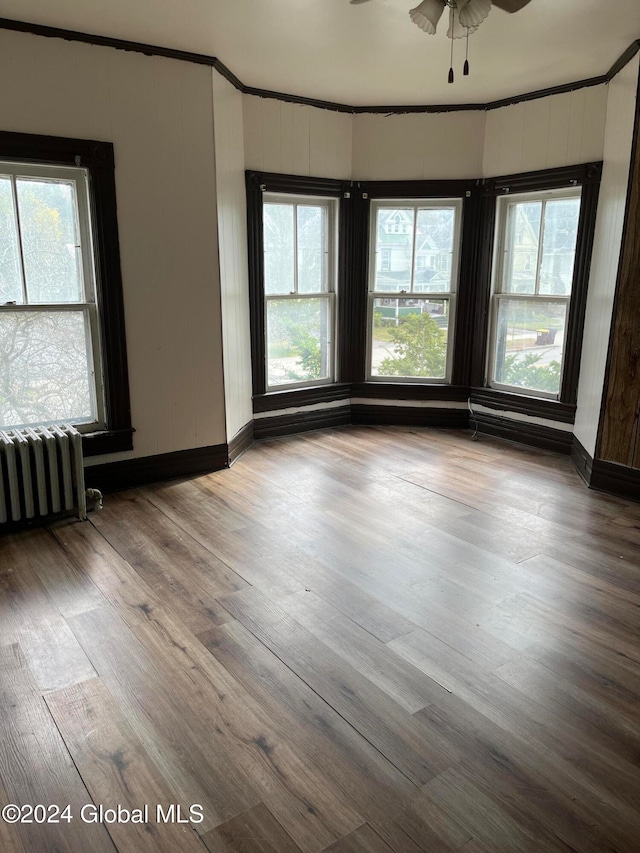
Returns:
(424, 293)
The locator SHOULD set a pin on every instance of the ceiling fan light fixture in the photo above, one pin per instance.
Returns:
(457, 30)
(473, 12)
(427, 15)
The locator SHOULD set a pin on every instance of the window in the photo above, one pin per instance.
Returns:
(421, 309)
(299, 289)
(62, 337)
(49, 337)
(412, 284)
(533, 280)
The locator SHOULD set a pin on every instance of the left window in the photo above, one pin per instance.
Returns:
(49, 333)
(299, 237)
(62, 334)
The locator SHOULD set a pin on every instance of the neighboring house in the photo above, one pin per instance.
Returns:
(558, 247)
(432, 252)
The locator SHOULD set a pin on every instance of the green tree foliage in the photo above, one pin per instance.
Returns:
(307, 347)
(527, 372)
(420, 348)
(294, 329)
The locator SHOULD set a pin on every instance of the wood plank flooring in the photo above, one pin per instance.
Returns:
(365, 640)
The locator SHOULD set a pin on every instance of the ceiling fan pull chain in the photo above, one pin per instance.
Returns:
(465, 70)
(451, 23)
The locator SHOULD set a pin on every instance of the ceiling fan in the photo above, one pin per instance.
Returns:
(465, 16)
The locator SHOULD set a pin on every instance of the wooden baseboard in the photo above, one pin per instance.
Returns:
(582, 460)
(534, 435)
(615, 479)
(598, 474)
(115, 476)
(241, 441)
(605, 476)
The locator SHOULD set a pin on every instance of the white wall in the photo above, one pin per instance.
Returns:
(158, 114)
(418, 146)
(621, 102)
(232, 233)
(559, 130)
(296, 140)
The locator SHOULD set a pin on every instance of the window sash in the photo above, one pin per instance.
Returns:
(329, 251)
(447, 295)
(80, 178)
(93, 355)
(88, 305)
(503, 248)
(504, 243)
(533, 299)
(329, 276)
(329, 298)
(415, 205)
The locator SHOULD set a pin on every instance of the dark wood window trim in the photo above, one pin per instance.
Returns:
(98, 159)
(257, 184)
(473, 294)
(587, 176)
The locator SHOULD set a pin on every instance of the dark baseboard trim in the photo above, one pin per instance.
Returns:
(534, 435)
(609, 477)
(213, 62)
(240, 442)
(280, 425)
(615, 479)
(582, 460)
(115, 476)
(373, 415)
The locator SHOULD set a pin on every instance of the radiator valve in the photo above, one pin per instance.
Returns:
(95, 500)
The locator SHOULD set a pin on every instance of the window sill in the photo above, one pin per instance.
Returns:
(107, 441)
(539, 407)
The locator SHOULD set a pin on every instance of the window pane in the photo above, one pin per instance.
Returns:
(312, 249)
(50, 242)
(298, 335)
(45, 374)
(394, 248)
(278, 248)
(529, 343)
(10, 277)
(521, 247)
(409, 337)
(559, 246)
(434, 247)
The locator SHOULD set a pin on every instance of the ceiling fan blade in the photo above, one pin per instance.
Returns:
(511, 5)
(355, 2)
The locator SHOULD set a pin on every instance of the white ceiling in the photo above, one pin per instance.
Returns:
(364, 54)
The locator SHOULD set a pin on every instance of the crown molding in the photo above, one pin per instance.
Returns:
(221, 68)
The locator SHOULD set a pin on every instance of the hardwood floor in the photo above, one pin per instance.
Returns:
(366, 640)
